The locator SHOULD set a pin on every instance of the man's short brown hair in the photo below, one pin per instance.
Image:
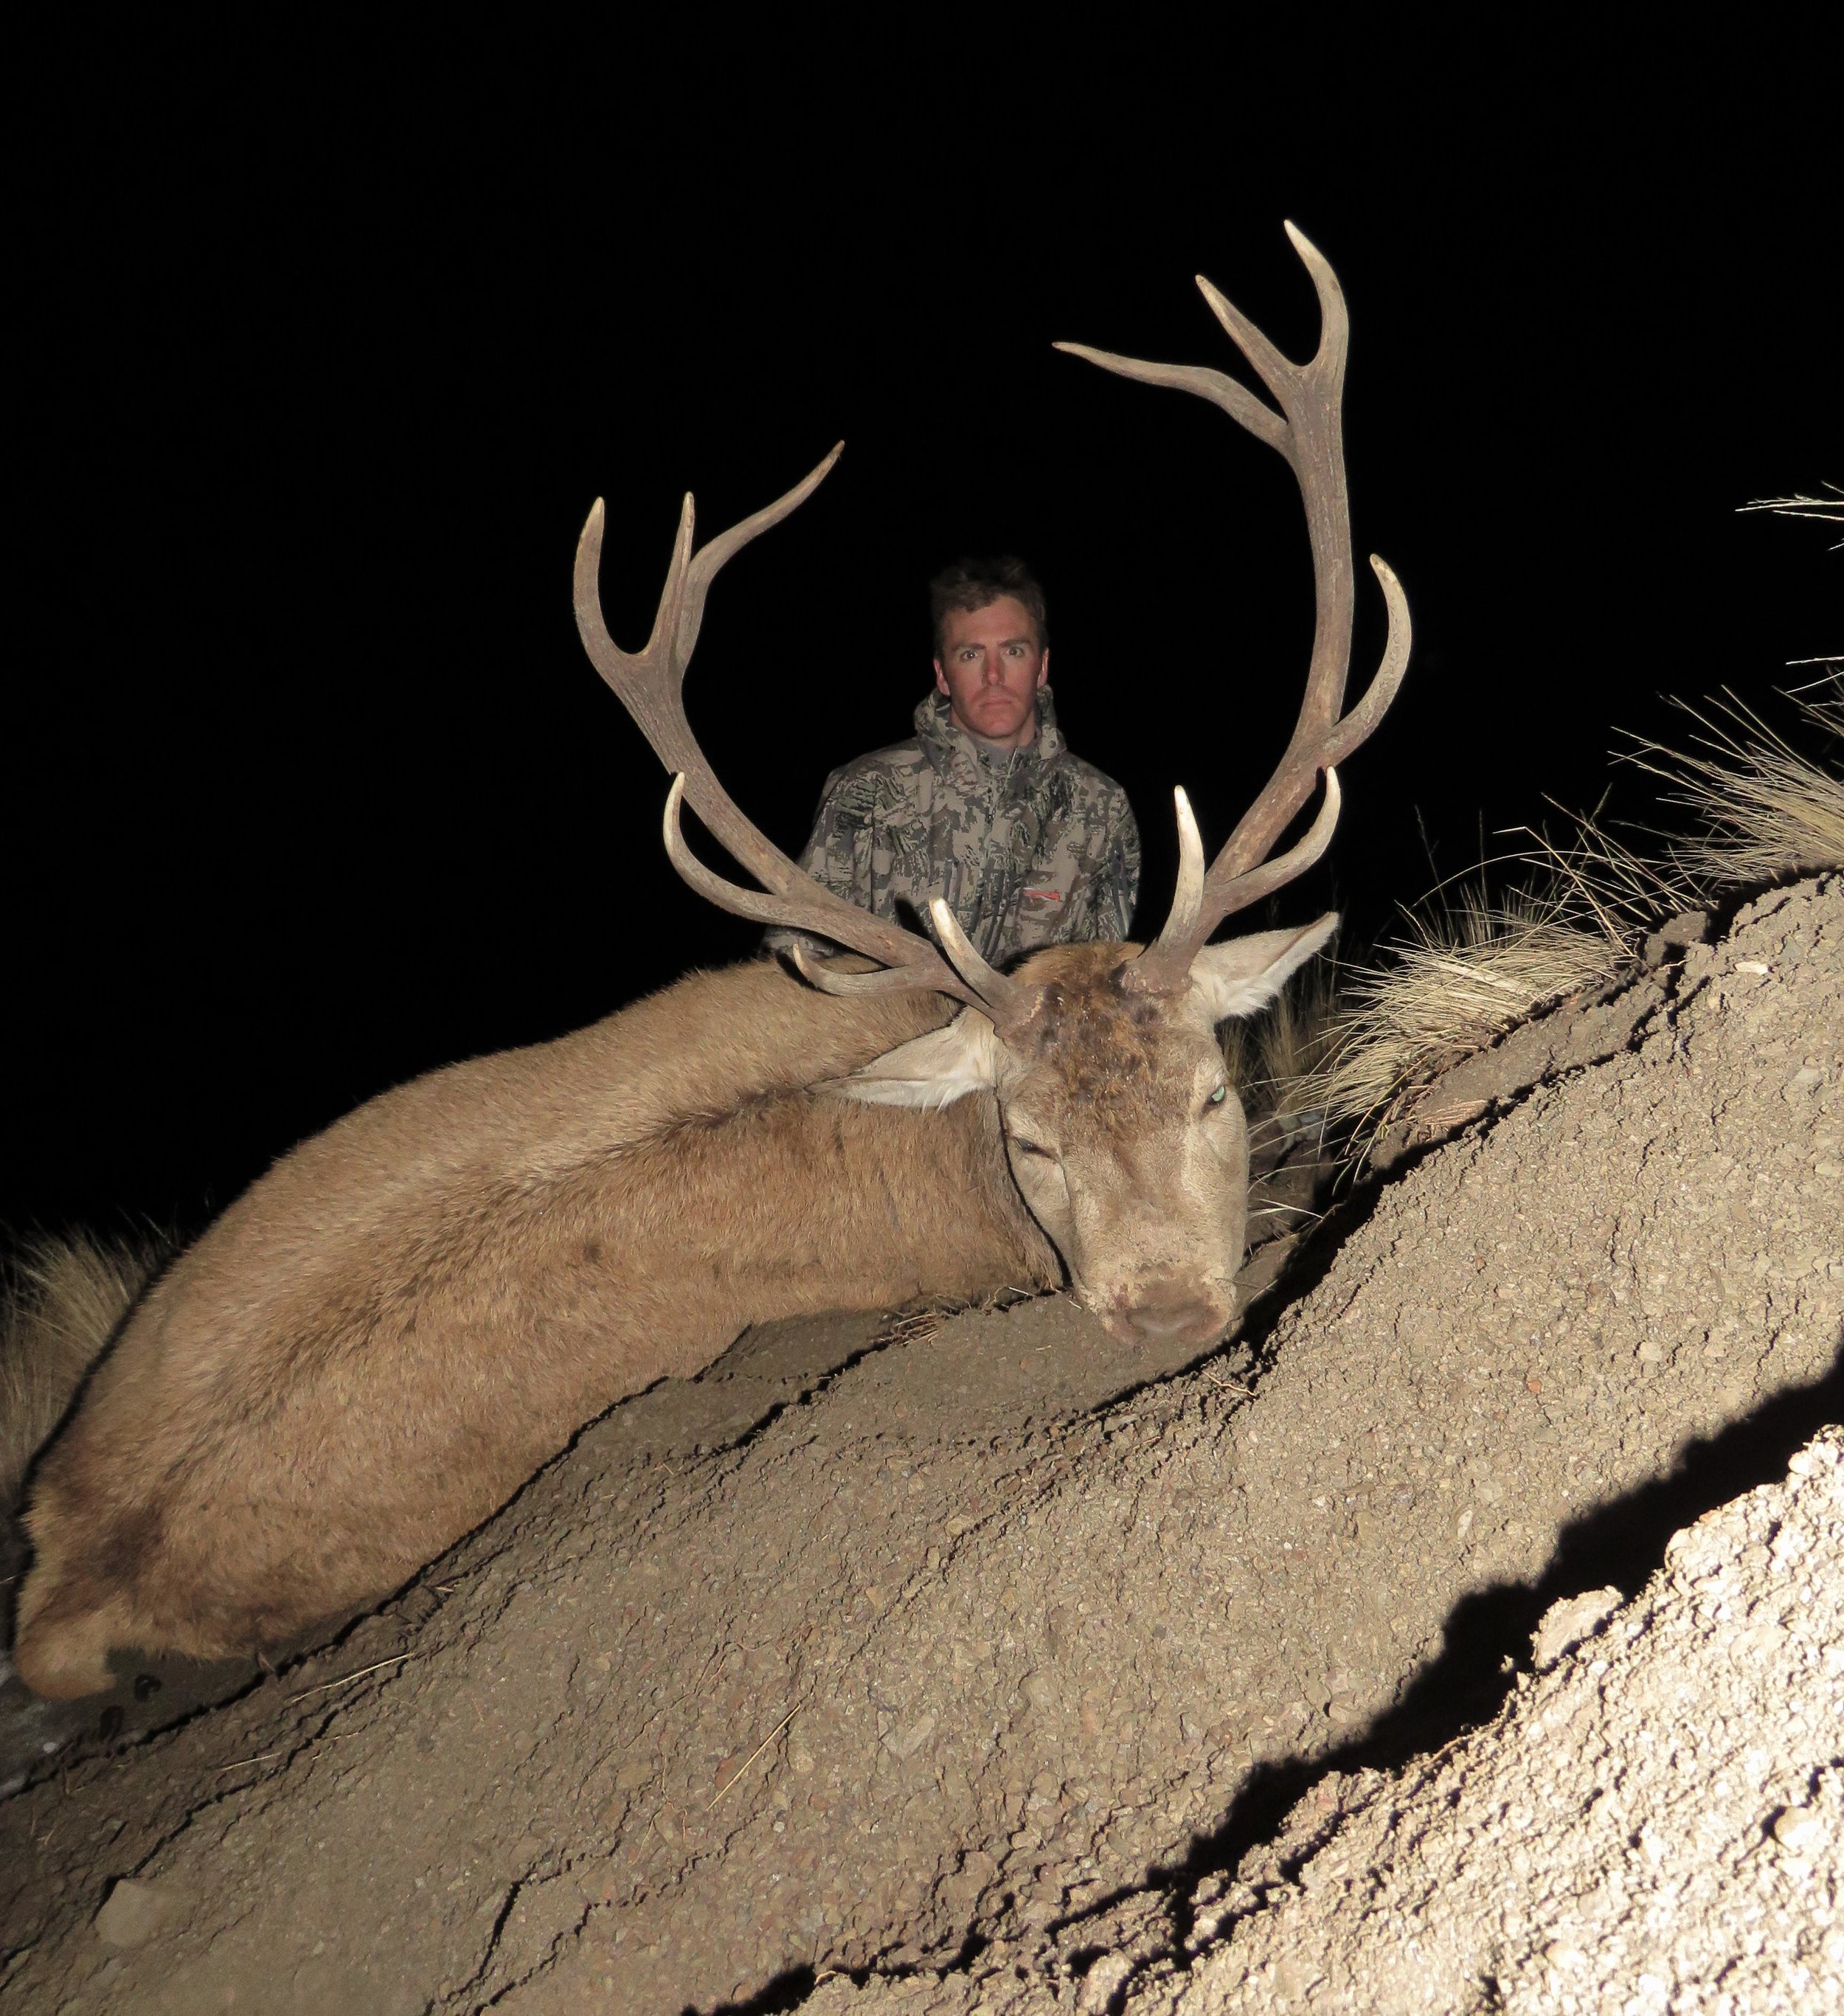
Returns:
(971, 585)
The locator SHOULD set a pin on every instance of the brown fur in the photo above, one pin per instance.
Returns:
(383, 1339)
(61, 1306)
(1100, 1041)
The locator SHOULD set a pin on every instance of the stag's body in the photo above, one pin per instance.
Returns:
(385, 1336)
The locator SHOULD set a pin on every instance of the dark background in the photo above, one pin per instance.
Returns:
(308, 785)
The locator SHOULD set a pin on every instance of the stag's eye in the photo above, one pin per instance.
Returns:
(1217, 1097)
(1031, 1148)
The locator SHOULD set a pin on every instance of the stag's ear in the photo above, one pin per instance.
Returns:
(934, 1070)
(1242, 975)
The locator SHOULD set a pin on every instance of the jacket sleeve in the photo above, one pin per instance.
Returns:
(838, 850)
(1116, 888)
(837, 856)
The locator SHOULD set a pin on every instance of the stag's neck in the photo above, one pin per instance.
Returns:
(714, 1041)
(711, 1045)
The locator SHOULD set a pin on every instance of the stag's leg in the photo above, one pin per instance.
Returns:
(66, 1657)
(68, 1624)
(112, 1573)
(95, 1589)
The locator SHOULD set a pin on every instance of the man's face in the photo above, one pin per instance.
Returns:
(990, 666)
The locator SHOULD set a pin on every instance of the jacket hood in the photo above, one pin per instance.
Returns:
(950, 747)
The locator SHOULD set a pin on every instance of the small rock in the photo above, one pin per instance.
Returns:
(1293, 1979)
(906, 1742)
(135, 1911)
(1099, 1983)
(1564, 1625)
(1799, 1829)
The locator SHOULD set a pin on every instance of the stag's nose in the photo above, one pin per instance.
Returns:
(1173, 1309)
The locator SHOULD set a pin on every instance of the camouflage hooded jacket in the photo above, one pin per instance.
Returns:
(1030, 846)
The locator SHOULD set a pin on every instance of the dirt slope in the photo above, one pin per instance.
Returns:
(952, 1668)
(1657, 1822)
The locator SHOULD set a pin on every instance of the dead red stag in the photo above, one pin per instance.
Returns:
(389, 1333)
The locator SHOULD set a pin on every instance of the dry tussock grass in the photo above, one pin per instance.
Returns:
(1828, 508)
(1475, 961)
(1764, 809)
(61, 1304)
(1473, 965)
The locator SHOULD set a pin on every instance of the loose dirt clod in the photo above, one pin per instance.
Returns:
(1566, 1624)
(134, 1913)
(977, 1665)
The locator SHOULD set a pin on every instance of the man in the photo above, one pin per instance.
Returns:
(984, 804)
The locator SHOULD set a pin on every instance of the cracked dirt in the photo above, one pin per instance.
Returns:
(982, 1669)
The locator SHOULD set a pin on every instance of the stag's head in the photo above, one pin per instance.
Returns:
(1127, 1142)
(1125, 1137)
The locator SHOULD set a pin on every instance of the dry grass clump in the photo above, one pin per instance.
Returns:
(61, 1303)
(1764, 809)
(1348, 1050)
(1474, 965)
(1471, 966)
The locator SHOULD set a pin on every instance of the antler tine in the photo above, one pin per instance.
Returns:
(1187, 897)
(911, 963)
(1221, 390)
(650, 684)
(1306, 431)
(1241, 875)
(992, 985)
(881, 980)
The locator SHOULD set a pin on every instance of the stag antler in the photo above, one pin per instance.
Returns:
(1307, 432)
(650, 684)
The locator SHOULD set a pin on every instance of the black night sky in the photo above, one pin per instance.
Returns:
(309, 786)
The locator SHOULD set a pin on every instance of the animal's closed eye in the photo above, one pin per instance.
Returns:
(1031, 1148)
